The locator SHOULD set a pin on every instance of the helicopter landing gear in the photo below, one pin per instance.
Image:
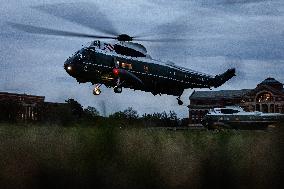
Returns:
(97, 90)
(117, 89)
(180, 102)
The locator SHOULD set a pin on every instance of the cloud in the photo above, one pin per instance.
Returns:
(240, 1)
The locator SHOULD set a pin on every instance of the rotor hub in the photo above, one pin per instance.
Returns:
(124, 37)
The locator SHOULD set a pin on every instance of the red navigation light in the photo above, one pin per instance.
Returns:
(115, 71)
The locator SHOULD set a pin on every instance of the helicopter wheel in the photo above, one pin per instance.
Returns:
(97, 90)
(117, 89)
(180, 102)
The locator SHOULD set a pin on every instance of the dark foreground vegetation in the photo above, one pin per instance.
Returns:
(81, 156)
(72, 113)
(69, 146)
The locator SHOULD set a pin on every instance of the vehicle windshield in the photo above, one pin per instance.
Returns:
(229, 111)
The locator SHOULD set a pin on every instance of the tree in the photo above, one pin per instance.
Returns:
(91, 111)
(130, 113)
(57, 113)
(161, 119)
(173, 116)
(117, 115)
(9, 110)
(173, 119)
(76, 107)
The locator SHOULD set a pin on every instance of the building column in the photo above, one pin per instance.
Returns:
(26, 112)
(189, 116)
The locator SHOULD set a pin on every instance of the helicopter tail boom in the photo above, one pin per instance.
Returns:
(222, 78)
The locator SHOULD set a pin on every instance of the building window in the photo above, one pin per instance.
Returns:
(264, 97)
(272, 108)
(264, 108)
(257, 107)
(276, 109)
(252, 109)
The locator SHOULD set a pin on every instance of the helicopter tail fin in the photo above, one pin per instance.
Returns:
(222, 78)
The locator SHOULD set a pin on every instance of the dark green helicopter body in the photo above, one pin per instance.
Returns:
(127, 65)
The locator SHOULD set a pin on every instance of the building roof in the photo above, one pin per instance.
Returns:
(16, 94)
(269, 81)
(219, 94)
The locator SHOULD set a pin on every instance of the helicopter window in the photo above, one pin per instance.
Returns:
(88, 55)
(126, 65)
(96, 43)
(146, 69)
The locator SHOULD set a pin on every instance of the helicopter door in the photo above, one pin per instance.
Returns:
(115, 63)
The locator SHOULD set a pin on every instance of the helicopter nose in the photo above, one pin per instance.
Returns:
(69, 66)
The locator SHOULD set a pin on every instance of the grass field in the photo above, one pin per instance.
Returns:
(107, 157)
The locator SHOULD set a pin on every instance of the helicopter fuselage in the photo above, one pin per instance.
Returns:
(103, 65)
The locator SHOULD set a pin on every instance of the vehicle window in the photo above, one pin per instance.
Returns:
(229, 111)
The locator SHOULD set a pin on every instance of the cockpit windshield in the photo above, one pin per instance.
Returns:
(95, 44)
(86, 54)
(92, 44)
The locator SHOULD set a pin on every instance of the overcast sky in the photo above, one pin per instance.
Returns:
(219, 34)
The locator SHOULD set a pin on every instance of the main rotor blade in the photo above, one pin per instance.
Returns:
(85, 14)
(170, 31)
(159, 40)
(47, 31)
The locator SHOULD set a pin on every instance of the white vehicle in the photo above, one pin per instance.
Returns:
(236, 118)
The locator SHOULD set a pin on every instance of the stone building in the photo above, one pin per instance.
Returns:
(20, 106)
(268, 96)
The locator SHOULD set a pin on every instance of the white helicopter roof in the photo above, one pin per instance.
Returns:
(140, 48)
(136, 46)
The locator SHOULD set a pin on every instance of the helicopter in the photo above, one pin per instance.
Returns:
(124, 63)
